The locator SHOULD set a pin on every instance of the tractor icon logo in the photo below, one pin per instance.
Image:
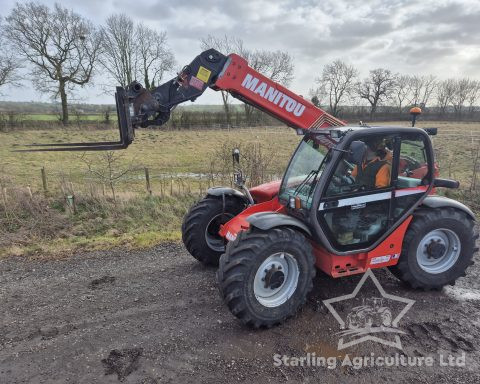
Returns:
(370, 314)
(377, 319)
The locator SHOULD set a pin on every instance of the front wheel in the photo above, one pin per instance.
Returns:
(264, 276)
(437, 248)
(201, 226)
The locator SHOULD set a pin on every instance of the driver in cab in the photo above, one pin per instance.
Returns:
(376, 166)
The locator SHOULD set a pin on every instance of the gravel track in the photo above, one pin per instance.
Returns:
(155, 316)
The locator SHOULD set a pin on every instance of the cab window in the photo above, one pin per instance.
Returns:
(366, 165)
(376, 181)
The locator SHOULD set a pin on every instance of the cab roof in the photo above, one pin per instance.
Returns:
(349, 128)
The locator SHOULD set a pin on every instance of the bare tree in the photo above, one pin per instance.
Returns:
(119, 53)
(422, 88)
(135, 52)
(338, 80)
(463, 88)
(108, 169)
(445, 92)
(473, 95)
(154, 57)
(430, 84)
(61, 46)
(376, 87)
(317, 96)
(9, 66)
(401, 90)
(276, 65)
(225, 44)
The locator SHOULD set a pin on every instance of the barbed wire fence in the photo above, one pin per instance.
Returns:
(457, 154)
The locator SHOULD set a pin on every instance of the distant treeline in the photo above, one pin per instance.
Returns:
(54, 109)
(215, 117)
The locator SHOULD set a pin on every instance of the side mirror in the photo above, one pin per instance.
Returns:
(357, 152)
(236, 156)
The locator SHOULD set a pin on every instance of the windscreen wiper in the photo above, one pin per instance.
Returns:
(313, 172)
(304, 182)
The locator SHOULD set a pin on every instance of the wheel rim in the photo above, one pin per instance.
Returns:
(276, 279)
(213, 239)
(438, 251)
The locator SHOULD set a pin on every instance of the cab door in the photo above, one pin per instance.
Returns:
(354, 213)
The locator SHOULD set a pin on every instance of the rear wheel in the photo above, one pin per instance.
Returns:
(264, 276)
(201, 226)
(437, 248)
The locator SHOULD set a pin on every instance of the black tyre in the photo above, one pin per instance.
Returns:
(264, 276)
(201, 225)
(437, 248)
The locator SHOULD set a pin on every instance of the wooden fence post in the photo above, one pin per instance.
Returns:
(70, 199)
(4, 198)
(147, 181)
(44, 180)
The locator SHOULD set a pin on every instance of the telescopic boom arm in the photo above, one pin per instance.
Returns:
(139, 107)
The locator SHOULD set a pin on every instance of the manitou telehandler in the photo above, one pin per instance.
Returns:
(352, 198)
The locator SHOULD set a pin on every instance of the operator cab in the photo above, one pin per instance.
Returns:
(355, 185)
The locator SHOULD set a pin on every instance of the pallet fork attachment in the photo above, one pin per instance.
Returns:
(125, 127)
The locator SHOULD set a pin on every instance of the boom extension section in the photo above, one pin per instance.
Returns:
(139, 107)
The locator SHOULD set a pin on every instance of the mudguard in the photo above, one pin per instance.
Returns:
(441, 202)
(269, 220)
(226, 191)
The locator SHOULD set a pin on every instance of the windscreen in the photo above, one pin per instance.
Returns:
(305, 168)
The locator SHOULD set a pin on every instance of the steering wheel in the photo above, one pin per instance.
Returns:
(412, 163)
(348, 165)
(342, 181)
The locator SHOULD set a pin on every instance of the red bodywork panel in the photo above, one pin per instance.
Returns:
(239, 223)
(384, 255)
(250, 86)
(266, 191)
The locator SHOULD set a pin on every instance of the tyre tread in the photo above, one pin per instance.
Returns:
(237, 259)
(421, 218)
(192, 238)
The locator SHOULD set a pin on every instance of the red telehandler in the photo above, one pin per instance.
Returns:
(352, 198)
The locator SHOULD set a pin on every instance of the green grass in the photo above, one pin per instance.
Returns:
(163, 152)
(180, 152)
(136, 220)
(43, 226)
(47, 117)
(55, 117)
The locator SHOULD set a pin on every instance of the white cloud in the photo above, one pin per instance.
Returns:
(441, 37)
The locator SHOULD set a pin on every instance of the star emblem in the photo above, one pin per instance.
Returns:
(371, 319)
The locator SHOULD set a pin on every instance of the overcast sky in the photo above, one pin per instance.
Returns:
(417, 37)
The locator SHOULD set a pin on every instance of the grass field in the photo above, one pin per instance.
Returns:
(183, 152)
(171, 152)
(99, 114)
(141, 220)
(52, 117)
